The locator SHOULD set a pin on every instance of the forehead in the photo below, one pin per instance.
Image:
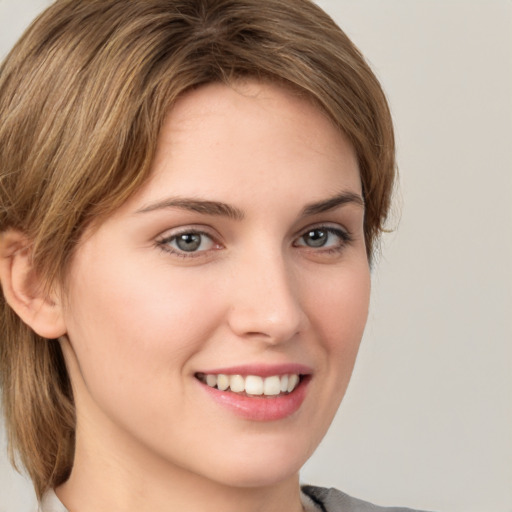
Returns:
(250, 129)
(251, 145)
(251, 103)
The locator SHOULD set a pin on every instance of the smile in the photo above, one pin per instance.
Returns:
(252, 385)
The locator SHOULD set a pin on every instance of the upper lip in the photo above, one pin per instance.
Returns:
(262, 370)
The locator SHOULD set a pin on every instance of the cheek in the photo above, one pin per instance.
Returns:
(342, 307)
(129, 321)
(337, 311)
(134, 332)
(340, 315)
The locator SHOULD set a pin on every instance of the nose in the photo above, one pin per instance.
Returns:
(266, 303)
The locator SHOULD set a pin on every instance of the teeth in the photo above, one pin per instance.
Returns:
(253, 384)
(222, 382)
(237, 383)
(272, 386)
(293, 380)
(211, 380)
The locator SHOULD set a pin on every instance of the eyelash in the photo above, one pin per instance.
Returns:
(344, 236)
(165, 242)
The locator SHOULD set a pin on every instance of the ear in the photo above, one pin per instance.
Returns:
(23, 289)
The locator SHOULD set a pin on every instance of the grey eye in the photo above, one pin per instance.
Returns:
(324, 237)
(316, 238)
(188, 242)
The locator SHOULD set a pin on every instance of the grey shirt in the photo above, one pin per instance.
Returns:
(314, 499)
(332, 500)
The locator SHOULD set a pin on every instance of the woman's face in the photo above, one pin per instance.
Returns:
(242, 262)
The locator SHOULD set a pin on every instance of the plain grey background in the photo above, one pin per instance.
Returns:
(427, 420)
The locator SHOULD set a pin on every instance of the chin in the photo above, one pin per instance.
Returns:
(259, 467)
(248, 476)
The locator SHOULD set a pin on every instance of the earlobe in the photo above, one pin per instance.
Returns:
(23, 289)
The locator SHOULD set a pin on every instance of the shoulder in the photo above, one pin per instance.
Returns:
(332, 500)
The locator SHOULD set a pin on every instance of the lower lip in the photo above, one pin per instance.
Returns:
(261, 408)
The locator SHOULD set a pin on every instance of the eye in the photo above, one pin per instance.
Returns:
(187, 243)
(324, 237)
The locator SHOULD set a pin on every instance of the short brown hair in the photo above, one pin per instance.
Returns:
(83, 96)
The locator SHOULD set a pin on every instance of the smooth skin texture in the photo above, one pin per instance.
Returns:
(264, 278)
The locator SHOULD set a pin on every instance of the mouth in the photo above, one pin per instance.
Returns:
(272, 386)
(258, 392)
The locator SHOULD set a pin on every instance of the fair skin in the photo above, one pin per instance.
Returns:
(269, 279)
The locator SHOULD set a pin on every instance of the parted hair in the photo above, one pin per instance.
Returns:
(83, 96)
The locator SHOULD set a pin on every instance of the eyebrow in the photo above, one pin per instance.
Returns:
(196, 205)
(225, 210)
(333, 202)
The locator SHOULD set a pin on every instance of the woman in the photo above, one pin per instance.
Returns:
(192, 192)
